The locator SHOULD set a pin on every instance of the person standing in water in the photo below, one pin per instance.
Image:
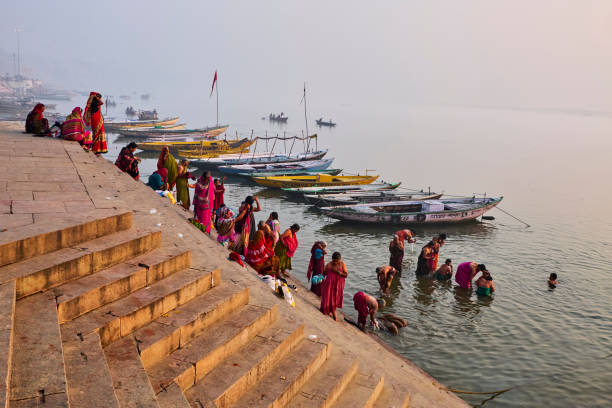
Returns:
(424, 264)
(466, 273)
(485, 284)
(396, 248)
(385, 275)
(438, 242)
(552, 281)
(444, 272)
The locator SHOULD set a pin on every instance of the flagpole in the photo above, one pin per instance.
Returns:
(306, 119)
(217, 88)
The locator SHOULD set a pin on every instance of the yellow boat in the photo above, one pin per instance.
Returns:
(319, 180)
(196, 147)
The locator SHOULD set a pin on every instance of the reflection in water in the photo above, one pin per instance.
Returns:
(424, 288)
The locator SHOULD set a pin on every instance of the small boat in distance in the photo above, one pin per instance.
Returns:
(288, 168)
(148, 115)
(414, 212)
(324, 180)
(322, 122)
(278, 118)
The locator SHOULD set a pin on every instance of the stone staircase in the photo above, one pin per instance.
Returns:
(101, 313)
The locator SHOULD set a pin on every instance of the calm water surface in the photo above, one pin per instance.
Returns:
(553, 347)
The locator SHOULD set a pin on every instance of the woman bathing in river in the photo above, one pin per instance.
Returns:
(485, 284)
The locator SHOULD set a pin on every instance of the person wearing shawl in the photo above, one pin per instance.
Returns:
(219, 192)
(286, 247)
(93, 117)
(204, 200)
(73, 129)
(246, 223)
(260, 251)
(316, 267)
(127, 162)
(332, 289)
(365, 305)
(274, 225)
(182, 184)
(158, 180)
(35, 123)
(167, 161)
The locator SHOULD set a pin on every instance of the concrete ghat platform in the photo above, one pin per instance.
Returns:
(160, 322)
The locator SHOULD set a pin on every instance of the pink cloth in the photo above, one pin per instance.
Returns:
(464, 275)
(359, 300)
(332, 292)
(203, 203)
(291, 243)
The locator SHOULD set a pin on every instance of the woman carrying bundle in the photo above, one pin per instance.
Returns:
(316, 267)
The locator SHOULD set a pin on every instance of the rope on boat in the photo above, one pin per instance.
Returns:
(518, 219)
(478, 393)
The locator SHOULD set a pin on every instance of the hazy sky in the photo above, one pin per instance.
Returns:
(548, 54)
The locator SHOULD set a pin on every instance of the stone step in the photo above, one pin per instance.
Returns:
(227, 382)
(53, 269)
(392, 398)
(134, 311)
(88, 377)
(168, 333)
(326, 386)
(130, 382)
(39, 239)
(286, 378)
(7, 321)
(172, 397)
(78, 297)
(362, 392)
(37, 367)
(187, 365)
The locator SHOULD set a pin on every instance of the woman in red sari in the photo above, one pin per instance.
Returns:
(219, 192)
(93, 118)
(73, 129)
(260, 252)
(316, 267)
(332, 289)
(35, 123)
(286, 247)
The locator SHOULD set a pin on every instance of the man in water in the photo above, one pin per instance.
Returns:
(396, 248)
(366, 305)
(552, 281)
(444, 272)
(385, 275)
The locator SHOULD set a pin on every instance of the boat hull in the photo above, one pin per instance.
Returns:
(141, 123)
(313, 181)
(259, 159)
(443, 217)
(333, 172)
(172, 131)
(291, 167)
(320, 201)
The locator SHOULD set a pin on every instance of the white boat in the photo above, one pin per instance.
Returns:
(414, 212)
(289, 167)
(343, 189)
(361, 197)
(259, 158)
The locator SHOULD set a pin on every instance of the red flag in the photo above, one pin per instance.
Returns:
(213, 84)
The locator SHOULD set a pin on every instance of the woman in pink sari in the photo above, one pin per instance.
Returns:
(204, 201)
(332, 289)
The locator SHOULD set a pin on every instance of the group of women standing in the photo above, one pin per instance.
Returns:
(74, 127)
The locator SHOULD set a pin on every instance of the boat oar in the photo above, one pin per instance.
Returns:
(518, 219)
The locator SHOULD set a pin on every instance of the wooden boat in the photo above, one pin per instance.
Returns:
(197, 146)
(343, 189)
(321, 122)
(140, 123)
(278, 118)
(289, 167)
(259, 158)
(361, 197)
(333, 172)
(203, 149)
(322, 180)
(165, 130)
(148, 115)
(414, 212)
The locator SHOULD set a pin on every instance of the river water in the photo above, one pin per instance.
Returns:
(551, 347)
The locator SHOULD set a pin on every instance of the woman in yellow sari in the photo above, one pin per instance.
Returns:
(182, 184)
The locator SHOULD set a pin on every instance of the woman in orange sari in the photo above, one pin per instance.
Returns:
(260, 252)
(93, 117)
